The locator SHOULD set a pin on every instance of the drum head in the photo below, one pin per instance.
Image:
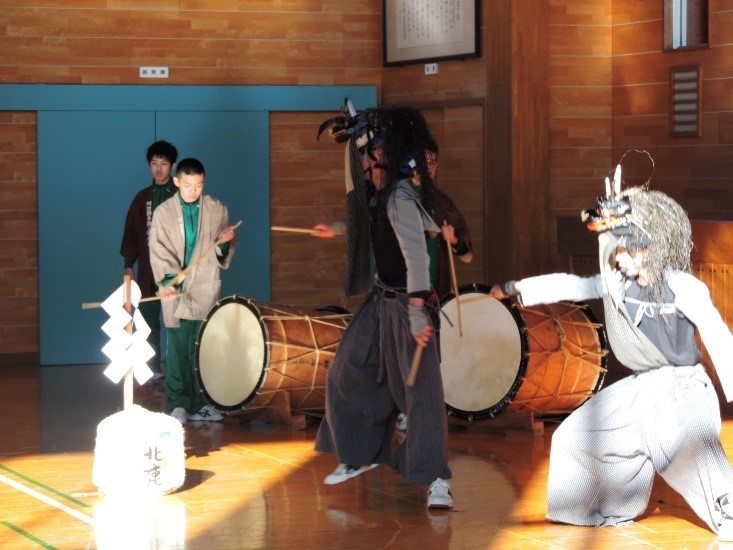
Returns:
(483, 368)
(231, 354)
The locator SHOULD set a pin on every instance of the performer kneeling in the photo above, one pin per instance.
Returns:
(665, 416)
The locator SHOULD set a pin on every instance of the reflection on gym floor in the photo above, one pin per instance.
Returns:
(251, 483)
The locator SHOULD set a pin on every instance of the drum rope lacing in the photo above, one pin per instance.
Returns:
(328, 350)
(568, 349)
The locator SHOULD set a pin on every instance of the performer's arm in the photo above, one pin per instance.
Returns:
(408, 227)
(226, 238)
(457, 244)
(457, 227)
(692, 298)
(163, 261)
(554, 287)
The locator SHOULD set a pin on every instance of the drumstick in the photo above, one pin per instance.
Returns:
(177, 279)
(336, 230)
(292, 229)
(454, 283)
(92, 305)
(415, 365)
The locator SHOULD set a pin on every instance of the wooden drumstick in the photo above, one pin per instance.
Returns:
(172, 282)
(412, 376)
(282, 229)
(454, 283)
(180, 276)
(292, 229)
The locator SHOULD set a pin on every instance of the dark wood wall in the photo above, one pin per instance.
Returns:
(580, 106)
(697, 171)
(527, 131)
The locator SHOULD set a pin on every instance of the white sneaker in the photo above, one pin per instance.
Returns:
(206, 414)
(401, 423)
(725, 529)
(346, 471)
(179, 413)
(439, 495)
(725, 524)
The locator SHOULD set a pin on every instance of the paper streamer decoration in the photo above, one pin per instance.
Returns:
(126, 351)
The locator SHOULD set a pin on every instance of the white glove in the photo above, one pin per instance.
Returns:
(418, 319)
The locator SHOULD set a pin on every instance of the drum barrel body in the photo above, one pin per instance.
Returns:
(548, 359)
(248, 352)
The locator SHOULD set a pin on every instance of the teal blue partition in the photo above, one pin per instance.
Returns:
(91, 161)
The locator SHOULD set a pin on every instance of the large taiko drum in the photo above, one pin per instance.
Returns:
(248, 351)
(548, 359)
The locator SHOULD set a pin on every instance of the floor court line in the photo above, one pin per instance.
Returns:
(47, 500)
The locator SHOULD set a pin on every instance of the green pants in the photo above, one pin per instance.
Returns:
(151, 313)
(181, 385)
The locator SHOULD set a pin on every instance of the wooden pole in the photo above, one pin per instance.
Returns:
(127, 386)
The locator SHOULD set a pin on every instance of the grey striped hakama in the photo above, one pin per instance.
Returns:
(366, 387)
(605, 454)
(661, 419)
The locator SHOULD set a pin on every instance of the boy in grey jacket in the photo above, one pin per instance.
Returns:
(184, 228)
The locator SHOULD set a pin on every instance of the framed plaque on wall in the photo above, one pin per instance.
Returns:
(420, 31)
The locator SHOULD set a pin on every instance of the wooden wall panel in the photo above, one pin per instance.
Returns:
(631, 11)
(580, 132)
(579, 71)
(460, 175)
(717, 96)
(635, 37)
(695, 171)
(306, 188)
(585, 104)
(530, 138)
(654, 131)
(200, 42)
(580, 12)
(581, 163)
(581, 108)
(642, 99)
(18, 236)
(580, 40)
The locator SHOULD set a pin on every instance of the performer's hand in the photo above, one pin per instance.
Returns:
(226, 235)
(420, 326)
(323, 231)
(449, 234)
(131, 272)
(424, 338)
(329, 230)
(167, 292)
(497, 292)
(505, 290)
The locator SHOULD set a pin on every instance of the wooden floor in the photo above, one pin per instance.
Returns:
(255, 484)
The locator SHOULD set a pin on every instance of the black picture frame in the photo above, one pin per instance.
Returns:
(425, 31)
